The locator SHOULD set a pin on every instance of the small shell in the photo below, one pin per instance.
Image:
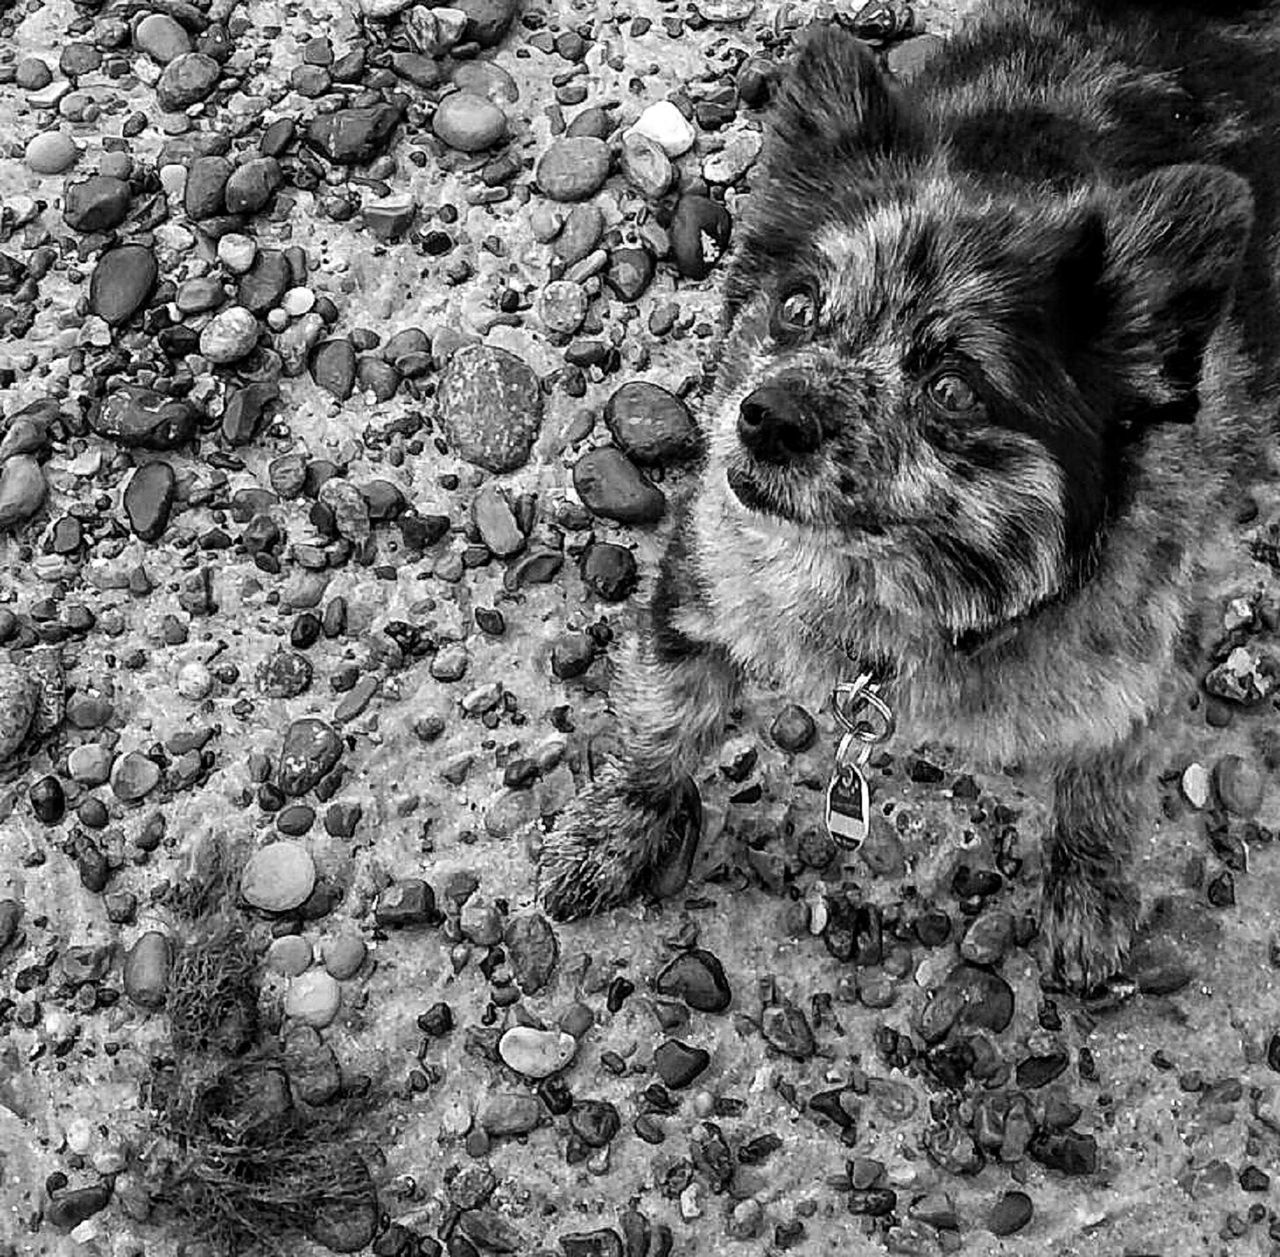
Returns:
(19, 697)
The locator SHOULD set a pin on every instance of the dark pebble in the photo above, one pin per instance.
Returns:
(700, 232)
(793, 729)
(69, 1208)
(409, 901)
(609, 571)
(121, 282)
(1011, 1213)
(1069, 1152)
(874, 1202)
(698, 978)
(678, 1064)
(48, 800)
(613, 487)
(650, 424)
(602, 1243)
(595, 1122)
(149, 499)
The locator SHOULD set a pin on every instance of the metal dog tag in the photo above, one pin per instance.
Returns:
(848, 808)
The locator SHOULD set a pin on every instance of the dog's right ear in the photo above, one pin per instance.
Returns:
(836, 105)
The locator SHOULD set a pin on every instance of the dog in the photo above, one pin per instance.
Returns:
(982, 389)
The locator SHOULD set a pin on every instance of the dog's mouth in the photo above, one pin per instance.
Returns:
(759, 498)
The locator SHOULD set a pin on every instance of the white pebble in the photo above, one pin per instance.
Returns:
(1195, 785)
(195, 681)
(665, 124)
(536, 1053)
(313, 999)
(236, 252)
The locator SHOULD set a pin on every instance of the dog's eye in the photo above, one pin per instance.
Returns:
(797, 312)
(954, 394)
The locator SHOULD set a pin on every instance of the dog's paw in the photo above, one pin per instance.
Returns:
(611, 842)
(1086, 932)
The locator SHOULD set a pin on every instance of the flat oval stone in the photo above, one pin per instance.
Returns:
(149, 499)
(22, 490)
(146, 970)
(651, 424)
(121, 282)
(289, 955)
(278, 877)
(469, 122)
(344, 955)
(313, 998)
(490, 407)
(536, 1053)
(573, 167)
(613, 487)
(510, 1114)
(333, 367)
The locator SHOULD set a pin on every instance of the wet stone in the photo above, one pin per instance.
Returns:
(311, 749)
(650, 424)
(612, 487)
(1036, 1071)
(333, 367)
(146, 970)
(205, 193)
(136, 416)
(148, 499)
(490, 407)
(700, 232)
(71, 1206)
(122, 281)
(595, 1122)
(630, 272)
(1010, 1214)
(698, 978)
(678, 1064)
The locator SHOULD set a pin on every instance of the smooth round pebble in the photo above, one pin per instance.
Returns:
(469, 122)
(562, 306)
(536, 1053)
(663, 123)
(313, 998)
(146, 970)
(289, 955)
(195, 681)
(278, 877)
(229, 336)
(344, 955)
(1011, 1213)
(50, 153)
(573, 167)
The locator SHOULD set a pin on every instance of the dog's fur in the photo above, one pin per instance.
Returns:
(1019, 572)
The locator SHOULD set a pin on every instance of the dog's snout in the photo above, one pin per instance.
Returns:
(775, 426)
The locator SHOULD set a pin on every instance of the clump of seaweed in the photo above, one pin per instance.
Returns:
(234, 1157)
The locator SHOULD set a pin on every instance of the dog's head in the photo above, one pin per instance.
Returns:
(930, 369)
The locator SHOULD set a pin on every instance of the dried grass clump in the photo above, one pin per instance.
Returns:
(242, 1167)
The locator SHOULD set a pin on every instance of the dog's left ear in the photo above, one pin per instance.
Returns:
(1177, 239)
(836, 104)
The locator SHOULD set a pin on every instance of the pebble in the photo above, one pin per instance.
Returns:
(344, 955)
(700, 231)
(601, 1243)
(646, 166)
(663, 123)
(122, 281)
(496, 522)
(311, 749)
(161, 37)
(468, 122)
(289, 955)
(532, 951)
(90, 764)
(72, 1206)
(50, 153)
(786, 1028)
(98, 203)
(278, 877)
(312, 1065)
(134, 777)
(229, 336)
(490, 407)
(698, 978)
(793, 729)
(582, 230)
(1240, 785)
(1195, 785)
(146, 970)
(148, 499)
(734, 160)
(313, 999)
(650, 424)
(510, 1114)
(573, 167)
(19, 698)
(252, 184)
(187, 80)
(678, 1064)
(609, 571)
(1010, 1214)
(536, 1053)
(613, 487)
(409, 901)
(562, 306)
(968, 998)
(987, 938)
(351, 137)
(22, 490)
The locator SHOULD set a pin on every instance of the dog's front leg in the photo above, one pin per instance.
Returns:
(1090, 905)
(672, 696)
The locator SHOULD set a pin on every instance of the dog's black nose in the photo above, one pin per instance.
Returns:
(775, 426)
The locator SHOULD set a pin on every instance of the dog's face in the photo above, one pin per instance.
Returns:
(946, 379)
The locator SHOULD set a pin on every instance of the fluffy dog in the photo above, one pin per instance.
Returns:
(981, 391)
